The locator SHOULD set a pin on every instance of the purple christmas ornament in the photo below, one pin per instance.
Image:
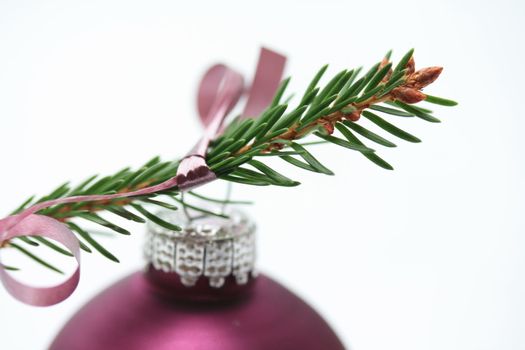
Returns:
(198, 293)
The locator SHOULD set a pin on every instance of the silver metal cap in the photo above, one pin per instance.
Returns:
(208, 246)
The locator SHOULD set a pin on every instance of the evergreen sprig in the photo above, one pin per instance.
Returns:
(338, 106)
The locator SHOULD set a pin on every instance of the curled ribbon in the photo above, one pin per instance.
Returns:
(219, 91)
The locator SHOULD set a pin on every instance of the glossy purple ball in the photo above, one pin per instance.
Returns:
(132, 315)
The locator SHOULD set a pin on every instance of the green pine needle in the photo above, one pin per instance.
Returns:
(35, 258)
(440, 101)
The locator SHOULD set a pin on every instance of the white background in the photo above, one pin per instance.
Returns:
(429, 256)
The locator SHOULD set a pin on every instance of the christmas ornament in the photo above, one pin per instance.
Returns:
(233, 151)
(199, 292)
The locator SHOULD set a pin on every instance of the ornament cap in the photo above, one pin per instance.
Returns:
(220, 251)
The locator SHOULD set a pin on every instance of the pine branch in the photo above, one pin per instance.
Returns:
(337, 106)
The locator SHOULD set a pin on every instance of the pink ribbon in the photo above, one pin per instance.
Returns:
(219, 91)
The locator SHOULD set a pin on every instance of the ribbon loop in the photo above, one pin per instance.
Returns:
(210, 88)
(267, 78)
(38, 225)
(219, 91)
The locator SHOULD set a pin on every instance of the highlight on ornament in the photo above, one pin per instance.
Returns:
(274, 124)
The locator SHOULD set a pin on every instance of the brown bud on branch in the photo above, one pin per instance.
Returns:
(354, 116)
(408, 95)
(423, 77)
